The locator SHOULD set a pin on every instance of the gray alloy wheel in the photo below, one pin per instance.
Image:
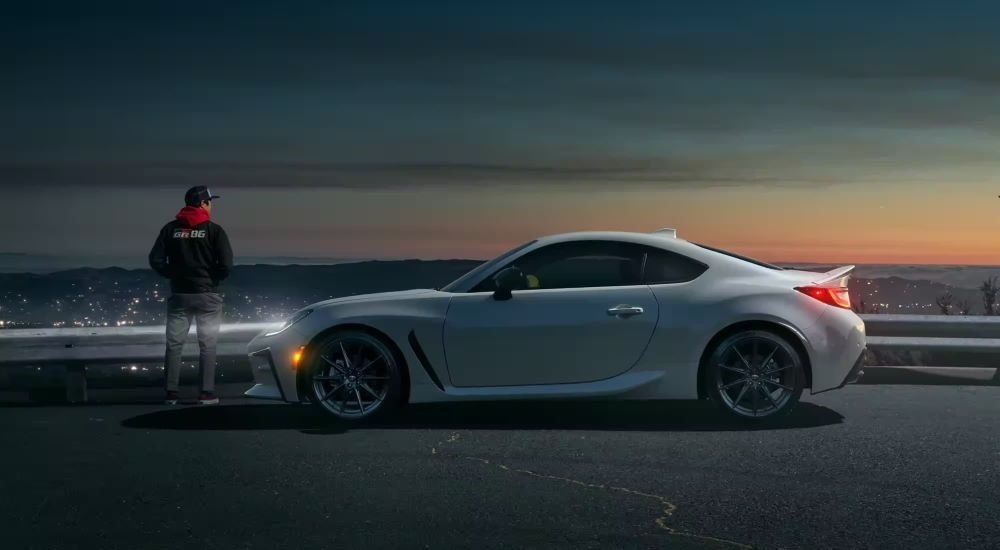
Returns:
(755, 375)
(354, 375)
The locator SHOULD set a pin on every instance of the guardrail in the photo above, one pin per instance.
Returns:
(113, 344)
(941, 333)
(78, 347)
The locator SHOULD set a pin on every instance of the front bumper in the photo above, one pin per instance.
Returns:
(271, 362)
(265, 375)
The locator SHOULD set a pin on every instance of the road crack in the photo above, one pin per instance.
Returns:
(661, 522)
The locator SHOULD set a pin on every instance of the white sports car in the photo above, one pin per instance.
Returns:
(608, 315)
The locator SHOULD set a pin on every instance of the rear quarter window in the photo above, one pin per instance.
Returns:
(664, 267)
(739, 257)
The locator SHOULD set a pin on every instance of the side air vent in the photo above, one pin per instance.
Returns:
(422, 357)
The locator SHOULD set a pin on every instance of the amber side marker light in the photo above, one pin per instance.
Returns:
(297, 356)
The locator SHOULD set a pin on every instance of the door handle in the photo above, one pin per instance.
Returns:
(625, 311)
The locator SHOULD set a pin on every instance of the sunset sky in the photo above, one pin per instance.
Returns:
(849, 132)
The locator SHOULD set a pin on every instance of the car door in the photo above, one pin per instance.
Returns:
(586, 317)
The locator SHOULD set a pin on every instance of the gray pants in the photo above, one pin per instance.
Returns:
(206, 309)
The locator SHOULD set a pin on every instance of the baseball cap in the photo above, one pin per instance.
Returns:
(198, 193)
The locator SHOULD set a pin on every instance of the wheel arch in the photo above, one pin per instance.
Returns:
(302, 384)
(790, 333)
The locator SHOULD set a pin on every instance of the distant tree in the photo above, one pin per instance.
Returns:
(990, 291)
(963, 307)
(944, 303)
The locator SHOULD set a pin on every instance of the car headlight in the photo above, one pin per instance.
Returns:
(289, 322)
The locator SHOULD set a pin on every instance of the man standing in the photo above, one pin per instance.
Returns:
(194, 253)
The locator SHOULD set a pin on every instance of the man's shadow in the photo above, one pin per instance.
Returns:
(680, 416)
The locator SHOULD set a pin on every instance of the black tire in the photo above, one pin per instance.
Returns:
(784, 374)
(353, 392)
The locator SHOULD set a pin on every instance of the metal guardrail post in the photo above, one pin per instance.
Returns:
(76, 382)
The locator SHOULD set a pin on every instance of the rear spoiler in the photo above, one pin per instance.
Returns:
(835, 277)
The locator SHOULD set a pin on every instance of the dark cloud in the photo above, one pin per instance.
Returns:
(340, 48)
(651, 173)
(341, 45)
(449, 94)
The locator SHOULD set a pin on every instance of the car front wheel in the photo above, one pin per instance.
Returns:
(755, 375)
(353, 375)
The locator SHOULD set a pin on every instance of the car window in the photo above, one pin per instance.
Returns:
(663, 267)
(580, 264)
(588, 271)
(739, 257)
(485, 266)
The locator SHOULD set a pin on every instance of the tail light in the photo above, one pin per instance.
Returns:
(834, 296)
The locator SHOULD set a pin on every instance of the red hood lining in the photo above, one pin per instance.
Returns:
(193, 215)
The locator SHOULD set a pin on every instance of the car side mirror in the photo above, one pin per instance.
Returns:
(507, 281)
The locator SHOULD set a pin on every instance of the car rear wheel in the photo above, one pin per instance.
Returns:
(354, 376)
(755, 375)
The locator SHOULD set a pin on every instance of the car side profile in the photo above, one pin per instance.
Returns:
(605, 315)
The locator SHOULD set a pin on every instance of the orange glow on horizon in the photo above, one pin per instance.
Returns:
(843, 224)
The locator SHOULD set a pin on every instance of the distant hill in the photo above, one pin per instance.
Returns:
(321, 282)
(342, 279)
(95, 296)
(17, 262)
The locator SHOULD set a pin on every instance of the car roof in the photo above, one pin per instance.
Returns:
(660, 240)
(665, 239)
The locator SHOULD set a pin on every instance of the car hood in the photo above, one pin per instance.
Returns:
(376, 297)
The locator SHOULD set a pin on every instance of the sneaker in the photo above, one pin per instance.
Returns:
(208, 398)
(172, 398)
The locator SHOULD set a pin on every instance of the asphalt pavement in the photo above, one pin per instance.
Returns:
(868, 466)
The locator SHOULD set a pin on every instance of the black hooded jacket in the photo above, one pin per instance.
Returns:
(193, 252)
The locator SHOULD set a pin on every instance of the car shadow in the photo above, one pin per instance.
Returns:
(562, 415)
(910, 377)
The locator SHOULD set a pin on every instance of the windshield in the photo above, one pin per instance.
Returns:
(489, 265)
(739, 257)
